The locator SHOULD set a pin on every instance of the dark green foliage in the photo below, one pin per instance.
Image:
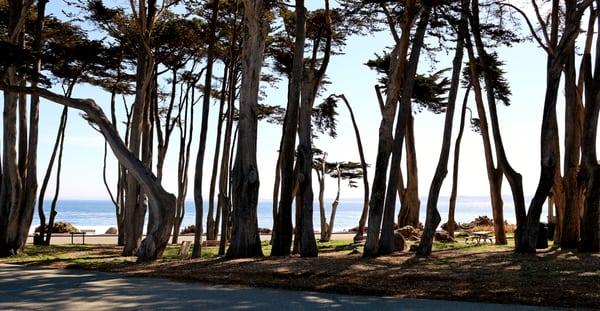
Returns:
(349, 171)
(270, 114)
(324, 117)
(188, 229)
(429, 91)
(500, 85)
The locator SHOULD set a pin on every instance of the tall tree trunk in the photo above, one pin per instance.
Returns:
(308, 244)
(210, 220)
(527, 236)
(45, 230)
(198, 200)
(134, 208)
(136, 200)
(186, 130)
(386, 243)
(409, 210)
(363, 165)
(590, 173)
(53, 211)
(224, 201)
(515, 179)
(282, 235)
(573, 128)
(245, 240)
(15, 218)
(454, 192)
(310, 87)
(433, 218)
(494, 173)
(31, 182)
(384, 148)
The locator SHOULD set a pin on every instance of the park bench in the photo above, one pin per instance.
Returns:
(82, 233)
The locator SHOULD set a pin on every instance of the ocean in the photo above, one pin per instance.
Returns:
(100, 215)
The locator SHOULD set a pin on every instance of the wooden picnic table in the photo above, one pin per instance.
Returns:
(480, 236)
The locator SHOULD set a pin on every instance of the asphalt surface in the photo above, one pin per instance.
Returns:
(23, 287)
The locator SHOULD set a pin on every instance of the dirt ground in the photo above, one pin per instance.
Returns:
(483, 273)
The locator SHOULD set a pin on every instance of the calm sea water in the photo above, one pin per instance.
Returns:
(100, 215)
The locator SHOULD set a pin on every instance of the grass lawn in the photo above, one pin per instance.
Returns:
(455, 271)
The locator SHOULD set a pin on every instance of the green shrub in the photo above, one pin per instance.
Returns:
(61, 227)
(188, 229)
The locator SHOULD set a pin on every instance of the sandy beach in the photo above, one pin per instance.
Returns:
(111, 239)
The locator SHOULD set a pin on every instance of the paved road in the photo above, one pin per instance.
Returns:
(51, 289)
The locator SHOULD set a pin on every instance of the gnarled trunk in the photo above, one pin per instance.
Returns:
(245, 240)
(384, 147)
(386, 243)
(153, 246)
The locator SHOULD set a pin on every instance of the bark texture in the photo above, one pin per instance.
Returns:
(245, 240)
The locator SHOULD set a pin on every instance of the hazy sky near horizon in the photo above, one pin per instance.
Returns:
(525, 66)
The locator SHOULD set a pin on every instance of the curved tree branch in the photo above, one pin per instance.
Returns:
(157, 238)
(530, 25)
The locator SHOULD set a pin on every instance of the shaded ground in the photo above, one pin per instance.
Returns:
(37, 288)
(480, 274)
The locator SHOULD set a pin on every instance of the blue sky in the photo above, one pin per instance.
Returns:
(525, 67)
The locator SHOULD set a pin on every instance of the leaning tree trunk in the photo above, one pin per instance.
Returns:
(245, 240)
(528, 235)
(452, 225)
(53, 211)
(211, 233)
(283, 231)
(334, 207)
(494, 174)
(386, 243)
(384, 147)
(198, 200)
(515, 179)
(134, 211)
(433, 218)
(153, 246)
(44, 230)
(363, 164)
